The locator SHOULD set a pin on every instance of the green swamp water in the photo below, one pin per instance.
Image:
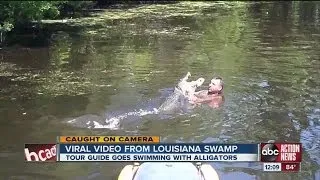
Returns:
(119, 64)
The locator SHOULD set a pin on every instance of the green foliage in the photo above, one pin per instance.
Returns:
(21, 12)
(6, 27)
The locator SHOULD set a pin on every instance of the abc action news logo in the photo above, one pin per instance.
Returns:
(281, 152)
(40, 152)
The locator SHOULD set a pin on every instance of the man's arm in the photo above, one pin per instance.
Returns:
(203, 99)
(206, 98)
(196, 100)
(200, 94)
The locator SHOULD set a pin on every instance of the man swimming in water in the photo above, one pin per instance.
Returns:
(213, 96)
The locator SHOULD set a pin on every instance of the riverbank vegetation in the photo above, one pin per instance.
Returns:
(20, 15)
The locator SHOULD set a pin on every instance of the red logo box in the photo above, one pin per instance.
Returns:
(281, 152)
(40, 152)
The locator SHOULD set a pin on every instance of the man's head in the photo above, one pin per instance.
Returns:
(215, 86)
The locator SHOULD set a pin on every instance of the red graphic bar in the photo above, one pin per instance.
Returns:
(40, 152)
(290, 167)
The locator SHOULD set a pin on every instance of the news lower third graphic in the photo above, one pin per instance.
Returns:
(276, 157)
(159, 152)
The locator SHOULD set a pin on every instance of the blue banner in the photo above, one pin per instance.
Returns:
(159, 148)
